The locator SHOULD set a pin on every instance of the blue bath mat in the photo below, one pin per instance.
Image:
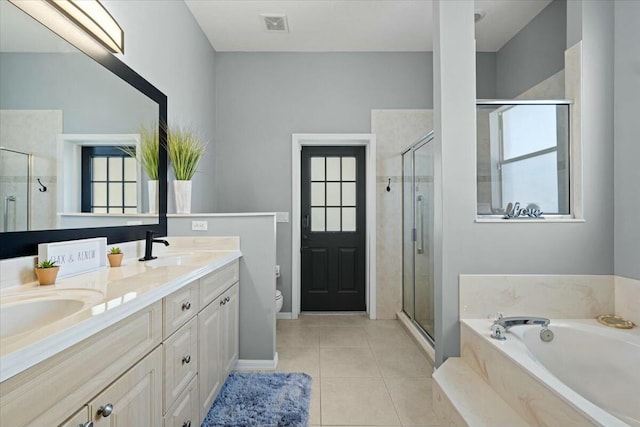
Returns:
(262, 399)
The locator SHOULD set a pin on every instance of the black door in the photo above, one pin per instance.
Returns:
(333, 228)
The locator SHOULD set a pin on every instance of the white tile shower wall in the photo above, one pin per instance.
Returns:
(395, 131)
(627, 299)
(553, 296)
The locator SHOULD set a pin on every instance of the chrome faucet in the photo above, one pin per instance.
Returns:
(502, 324)
(148, 246)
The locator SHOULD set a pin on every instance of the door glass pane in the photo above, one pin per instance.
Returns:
(99, 210)
(130, 210)
(348, 168)
(115, 194)
(348, 194)
(99, 194)
(317, 169)
(317, 219)
(115, 169)
(99, 168)
(407, 234)
(130, 173)
(348, 219)
(333, 194)
(528, 128)
(130, 194)
(317, 194)
(333, 168)
(333, 219)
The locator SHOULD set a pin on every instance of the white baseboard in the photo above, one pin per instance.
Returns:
(284, 316)
(257, 365)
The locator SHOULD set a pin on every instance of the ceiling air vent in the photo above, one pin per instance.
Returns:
(274, 23)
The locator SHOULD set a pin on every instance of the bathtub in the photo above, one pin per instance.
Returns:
(593, 368)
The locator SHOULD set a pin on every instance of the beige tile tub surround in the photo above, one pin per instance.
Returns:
(627, 299)
(553, 296)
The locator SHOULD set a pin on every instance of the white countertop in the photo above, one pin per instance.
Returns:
(109, 295)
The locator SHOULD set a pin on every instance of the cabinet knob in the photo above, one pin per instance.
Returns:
(186, 359)
(222, 302)
(187, 423)
(88, 424)
(186, 306)
(227, 299)
(105, 410)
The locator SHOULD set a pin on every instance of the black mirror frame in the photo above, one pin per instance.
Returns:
(25, 243)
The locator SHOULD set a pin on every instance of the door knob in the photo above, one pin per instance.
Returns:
(186, 306)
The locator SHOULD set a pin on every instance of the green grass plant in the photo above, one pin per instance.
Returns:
(49, 263)
(148, 151)
(185, 152)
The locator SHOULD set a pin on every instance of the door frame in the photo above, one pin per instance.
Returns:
(368, 140)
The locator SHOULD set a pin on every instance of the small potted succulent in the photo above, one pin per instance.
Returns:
(115, 256)
(47, 271)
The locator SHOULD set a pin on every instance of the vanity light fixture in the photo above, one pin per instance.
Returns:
(95, 20)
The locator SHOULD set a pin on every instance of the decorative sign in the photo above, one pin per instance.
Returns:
(516, 211)
(75, 256)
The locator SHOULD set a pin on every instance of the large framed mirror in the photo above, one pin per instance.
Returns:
(71, 115)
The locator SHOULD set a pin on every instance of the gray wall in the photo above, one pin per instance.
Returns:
(165, 45)
(92, 99)
(257, 275)
(262, 98)
(627, 141)
(534, 54)
(530, 248)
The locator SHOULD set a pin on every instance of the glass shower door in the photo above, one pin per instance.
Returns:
(407, 234)
(14, 190)
(423, 273)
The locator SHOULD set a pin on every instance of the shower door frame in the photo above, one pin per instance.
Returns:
(421, 142)
(29, 175)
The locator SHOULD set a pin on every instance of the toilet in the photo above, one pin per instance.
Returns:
(278, 301)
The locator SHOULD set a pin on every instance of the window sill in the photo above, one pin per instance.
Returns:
(549, 219)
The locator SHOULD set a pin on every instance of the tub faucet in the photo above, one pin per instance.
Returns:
(502, 324)
(148, 246)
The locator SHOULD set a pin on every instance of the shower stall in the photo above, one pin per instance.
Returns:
(417, 234)
(15, 190)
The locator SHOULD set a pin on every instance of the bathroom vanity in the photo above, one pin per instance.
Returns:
(153, 351)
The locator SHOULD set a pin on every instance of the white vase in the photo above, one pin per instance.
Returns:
(182, 192)
(153, 196)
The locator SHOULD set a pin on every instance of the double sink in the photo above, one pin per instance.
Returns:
(30, 310)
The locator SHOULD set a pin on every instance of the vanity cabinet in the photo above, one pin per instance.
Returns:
(162, 365)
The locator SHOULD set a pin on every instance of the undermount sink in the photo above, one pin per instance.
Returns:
(25, 312)
(174, 260)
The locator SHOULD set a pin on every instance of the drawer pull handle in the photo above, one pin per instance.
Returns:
(105, 410)
(222, 302)
(187, 423)
(186, 306)
(227, 299)
(186, 359)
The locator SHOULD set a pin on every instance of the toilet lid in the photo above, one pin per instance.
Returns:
(278, 294)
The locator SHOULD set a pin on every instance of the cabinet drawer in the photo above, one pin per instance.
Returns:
(214, 284)
(179, 307)
(184, 411)
(76, 374)
(180, 361)
(78, 419)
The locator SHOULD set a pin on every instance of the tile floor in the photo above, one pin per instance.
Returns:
(365, 372)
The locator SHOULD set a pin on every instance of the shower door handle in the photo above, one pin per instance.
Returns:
(420, 223)
(6, 211)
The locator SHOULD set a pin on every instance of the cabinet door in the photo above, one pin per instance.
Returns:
(79, 419)
(135, 399)
(229, 327)
(186, 410)
(209, 356)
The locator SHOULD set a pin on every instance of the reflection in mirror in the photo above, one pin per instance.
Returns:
(63, 119)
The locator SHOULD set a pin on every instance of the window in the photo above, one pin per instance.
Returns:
(109, 180)
(333, 194)
(523, 157)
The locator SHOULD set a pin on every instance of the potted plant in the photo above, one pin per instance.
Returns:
(115, 256)
(147, 155)
(185, 150)
(47, 271)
